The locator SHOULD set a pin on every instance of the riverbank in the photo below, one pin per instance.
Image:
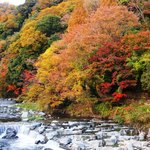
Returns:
(135, 113)
(54, 133)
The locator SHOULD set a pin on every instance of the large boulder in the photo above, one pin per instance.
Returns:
(10, 134)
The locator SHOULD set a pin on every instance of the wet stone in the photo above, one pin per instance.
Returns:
(10, 134)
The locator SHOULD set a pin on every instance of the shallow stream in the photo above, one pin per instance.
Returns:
(65, 134)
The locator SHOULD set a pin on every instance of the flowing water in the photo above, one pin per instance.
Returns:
(65, 134)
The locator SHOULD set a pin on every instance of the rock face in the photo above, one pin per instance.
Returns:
(10, 134)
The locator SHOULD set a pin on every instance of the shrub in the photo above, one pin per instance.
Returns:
(49, 25)
(103, 109)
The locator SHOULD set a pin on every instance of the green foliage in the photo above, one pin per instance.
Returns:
(53, 38)
(2, 26)
(119, 119)
(28, 106)
(103, 109)
(24, 11)
(137, 113)
(140, 114)
(146, 77)
(4, 31)
(123, 1)
(49, 25)
(36, 118)
(15, 69)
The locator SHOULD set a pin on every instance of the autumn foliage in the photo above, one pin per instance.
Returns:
(90, 51)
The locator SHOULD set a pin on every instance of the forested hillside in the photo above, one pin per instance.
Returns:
(78, 56)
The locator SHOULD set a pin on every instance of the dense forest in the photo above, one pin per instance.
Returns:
(78, 57)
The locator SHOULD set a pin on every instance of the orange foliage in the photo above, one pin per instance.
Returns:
(108, 3)
(28, 75)
(78, 16)
(61, 68)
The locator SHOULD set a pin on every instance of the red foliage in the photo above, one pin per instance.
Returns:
(27, 75)
(11, 88)
(105, 87)
(14, 89)
(118, 96)
(127, 83)
(23, 90)
(109, 62)
(112, 58)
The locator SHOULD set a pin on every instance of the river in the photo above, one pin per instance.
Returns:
(17, 133)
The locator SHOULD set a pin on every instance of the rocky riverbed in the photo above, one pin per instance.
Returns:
(65, 134)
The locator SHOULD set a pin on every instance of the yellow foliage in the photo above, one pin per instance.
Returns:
(10, 23)
(30, 37)
(14, 47)
(59, 10)
(2, 45)
(34, 92)
(108, 3)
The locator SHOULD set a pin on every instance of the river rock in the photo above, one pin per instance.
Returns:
(35, 125)
(10, 134)
(41, 114)
(71, 124)
(40, 139)
(25, 116)
(100, 135)
(9, 117)
(65, 141)
(51, 135)
(67, 132)
(112, 141)
(123, 132)
(142, 136)
(77, 132)
(102, 143)
(41, 129)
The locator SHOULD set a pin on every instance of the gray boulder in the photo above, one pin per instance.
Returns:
(41, 139)
(100, 135)
(10, 134)
(65, 141)
(142, 136)
(102, 143)
(112, 141)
